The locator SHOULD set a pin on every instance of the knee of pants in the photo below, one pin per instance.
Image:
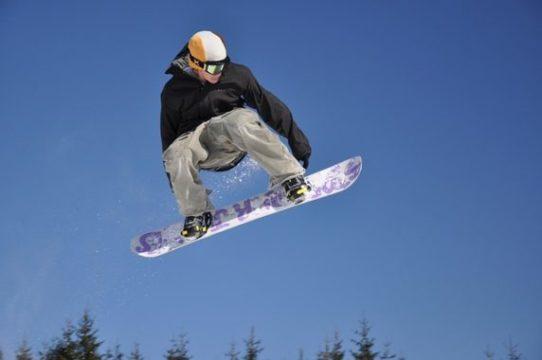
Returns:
(182, 158)
(245, 118)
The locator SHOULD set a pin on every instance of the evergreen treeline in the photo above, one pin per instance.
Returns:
(511, 349)
(81, 342)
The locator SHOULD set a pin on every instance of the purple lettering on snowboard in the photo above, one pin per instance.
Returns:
(273, 199)
(334, 184)
(243, 209)
(218, 222)
(149, 241)
(353, 170)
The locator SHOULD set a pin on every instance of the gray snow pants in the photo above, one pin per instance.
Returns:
(217, 143)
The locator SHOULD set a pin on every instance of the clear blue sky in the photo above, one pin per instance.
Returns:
(438, 245)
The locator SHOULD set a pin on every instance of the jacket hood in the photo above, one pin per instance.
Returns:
(179, 62)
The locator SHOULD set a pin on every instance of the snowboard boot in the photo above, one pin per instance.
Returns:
(196, 226)
(296, 189)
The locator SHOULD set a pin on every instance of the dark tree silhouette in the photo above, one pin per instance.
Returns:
(337, 352)
(23, 352)
(232, 354)
(363, 343)
(387, 353)
(253, 347)
(115, 354)
(136, 354)
(326, 353)
(63, 348)
(179, 349)
(87, 340)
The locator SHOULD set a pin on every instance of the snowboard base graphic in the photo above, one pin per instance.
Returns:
(326, 182)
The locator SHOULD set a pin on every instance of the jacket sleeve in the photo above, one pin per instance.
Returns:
(169, 120)
(277, 115)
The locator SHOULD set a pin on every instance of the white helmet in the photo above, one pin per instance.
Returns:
(207, 52)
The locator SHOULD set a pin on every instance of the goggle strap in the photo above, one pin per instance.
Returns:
(202, 63)
(196, 61)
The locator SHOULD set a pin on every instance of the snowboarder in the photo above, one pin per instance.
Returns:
(205, 124)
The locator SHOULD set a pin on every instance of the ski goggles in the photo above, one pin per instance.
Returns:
(212, 67)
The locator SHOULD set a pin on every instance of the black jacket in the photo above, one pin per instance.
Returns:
(186, 103)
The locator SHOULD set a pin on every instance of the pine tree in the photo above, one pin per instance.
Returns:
(252, 346)
(135, 354)
(179, 349)
(87, 341)
(301, 355)
(115, 354)
(326, 353)
(63, 348)
(232, 354)
(513, 352)
(364, 344)
(24, 352)
(1, 355)
(387, 354)
(337, 352)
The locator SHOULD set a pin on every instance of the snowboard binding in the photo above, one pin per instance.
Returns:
(296, 189)
(196, 226)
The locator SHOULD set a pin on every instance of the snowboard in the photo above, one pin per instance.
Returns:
(329, 181)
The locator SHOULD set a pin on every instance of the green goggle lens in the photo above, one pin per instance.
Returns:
(214, 69)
